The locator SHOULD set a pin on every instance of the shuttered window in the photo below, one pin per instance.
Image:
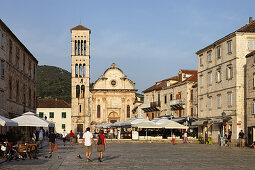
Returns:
(251, 44)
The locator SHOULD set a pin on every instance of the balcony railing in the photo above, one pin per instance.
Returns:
(177, 101)
(155, 104)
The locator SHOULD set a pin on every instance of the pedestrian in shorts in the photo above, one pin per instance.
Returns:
(52, 140)
(87, 143)
(71, 136)
(64, 134)
(101, 144)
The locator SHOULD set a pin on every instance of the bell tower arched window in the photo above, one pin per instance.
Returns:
(84, 70)
(84, 46)
(75, 47)
(128, 111)
(98, 111)
(79, 47)
(76, 70)
(80, 70)
(82, 91)
(77, 91)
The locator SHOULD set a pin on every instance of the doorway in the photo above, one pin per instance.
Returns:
(80, 128)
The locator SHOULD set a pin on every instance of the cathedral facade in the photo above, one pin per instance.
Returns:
(110, 98)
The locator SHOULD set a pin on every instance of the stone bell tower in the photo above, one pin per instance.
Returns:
(81, 97)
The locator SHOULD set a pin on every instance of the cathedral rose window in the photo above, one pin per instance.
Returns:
(113, 82)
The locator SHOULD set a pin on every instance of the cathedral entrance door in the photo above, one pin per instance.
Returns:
(113, 117)
(80, 128)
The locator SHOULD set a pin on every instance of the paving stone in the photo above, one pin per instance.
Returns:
(142, 156)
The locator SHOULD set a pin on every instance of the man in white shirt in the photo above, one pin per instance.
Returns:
(87, 142)
(64, 134)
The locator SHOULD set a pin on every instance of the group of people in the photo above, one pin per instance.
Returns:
(100, 144)
(38, 137)
(87, 142)
(185, 137)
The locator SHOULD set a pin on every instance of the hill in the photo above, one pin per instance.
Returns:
(53, 82)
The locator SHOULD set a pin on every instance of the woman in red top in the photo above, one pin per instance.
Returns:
(71, 136)
(101, 144)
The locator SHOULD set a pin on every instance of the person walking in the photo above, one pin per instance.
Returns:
(52, 140)
(185, 139)
(87, 142)
(71, 136)
(229, 138)
(173, 139)
(241, 139)
(41, 138)
(101, 144)
(64, 134)
(34, 136)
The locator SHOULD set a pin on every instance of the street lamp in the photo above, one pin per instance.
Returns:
(223, 114)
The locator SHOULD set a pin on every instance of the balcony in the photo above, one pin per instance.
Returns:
(155, 104)
(177, 104)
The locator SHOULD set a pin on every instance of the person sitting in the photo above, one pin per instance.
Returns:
(252, 145)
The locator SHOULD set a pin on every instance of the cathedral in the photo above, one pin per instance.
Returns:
(110, 98)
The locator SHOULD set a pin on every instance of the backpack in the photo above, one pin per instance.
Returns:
(99, 142)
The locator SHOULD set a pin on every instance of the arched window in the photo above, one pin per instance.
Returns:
(80, 70)
(82, 91)
(84, 46)
(77, 91)
(76, 70)
(98, 111)
(84, 70)
(128, 111)
(75, 47)
(79, 47)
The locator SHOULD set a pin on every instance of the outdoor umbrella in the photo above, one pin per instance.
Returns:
(30, 119)
(7, 122)
(146, 125)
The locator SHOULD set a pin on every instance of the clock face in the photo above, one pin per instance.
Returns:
(113, 82)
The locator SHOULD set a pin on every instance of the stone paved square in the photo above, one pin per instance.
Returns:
(143, 156)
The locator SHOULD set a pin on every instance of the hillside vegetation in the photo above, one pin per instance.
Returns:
(53, 82)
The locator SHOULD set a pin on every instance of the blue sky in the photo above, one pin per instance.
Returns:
(149, 40)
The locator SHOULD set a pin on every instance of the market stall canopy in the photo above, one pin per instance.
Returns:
(172, 125)
(164, 122)
(7, 122)
(30, 119)
(104, 125)
(199, 122)
(147, 125)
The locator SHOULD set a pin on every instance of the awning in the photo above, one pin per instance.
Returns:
(169, 124)
(147, 125)
(30, 119)
(215, 121)
(198, 122)
(104, 125)
(7, 122)
(177, 107)
(150, 109)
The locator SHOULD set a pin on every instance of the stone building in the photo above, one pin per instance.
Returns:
(111, 98)
(18, 75)
(171, 97)
(221, 83)
(249, 116)
(56, 111)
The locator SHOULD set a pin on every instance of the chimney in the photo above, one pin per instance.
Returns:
(250, 20)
